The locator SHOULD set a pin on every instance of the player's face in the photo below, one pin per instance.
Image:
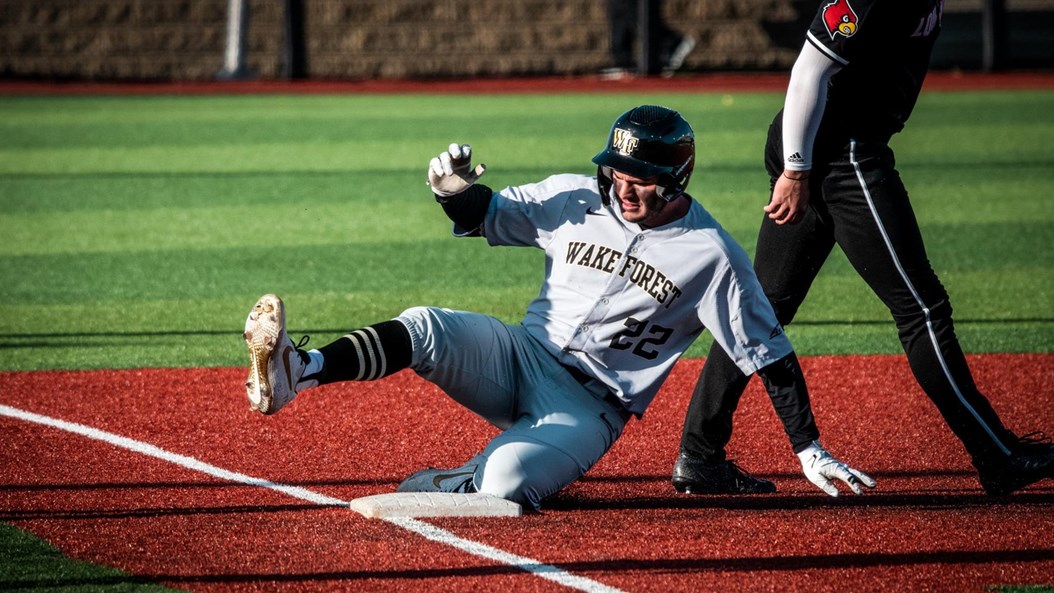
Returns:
(638, 198)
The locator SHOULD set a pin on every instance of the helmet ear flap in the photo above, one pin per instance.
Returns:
(668, 188)
(604, 182)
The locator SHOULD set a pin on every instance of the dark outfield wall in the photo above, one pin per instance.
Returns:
(369, 39)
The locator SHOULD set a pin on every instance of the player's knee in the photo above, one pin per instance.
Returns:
(923, 297)
(507, 479)
(517, 490)
(913, 314)
(421, 323)
(416, 315)
(527, 472)
(785, 309)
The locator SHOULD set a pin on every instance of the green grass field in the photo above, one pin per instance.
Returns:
(137, 231)
(31, 564)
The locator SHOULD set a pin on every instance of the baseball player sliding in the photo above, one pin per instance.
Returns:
(635, 270)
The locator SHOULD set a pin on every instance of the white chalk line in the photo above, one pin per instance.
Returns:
(425, 530)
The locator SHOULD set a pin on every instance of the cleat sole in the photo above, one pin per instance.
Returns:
(261, 335)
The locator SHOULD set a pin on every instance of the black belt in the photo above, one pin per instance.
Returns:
(607, 396)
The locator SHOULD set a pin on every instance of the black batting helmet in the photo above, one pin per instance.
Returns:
(649, 141)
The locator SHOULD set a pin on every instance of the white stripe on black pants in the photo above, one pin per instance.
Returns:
(864, 208)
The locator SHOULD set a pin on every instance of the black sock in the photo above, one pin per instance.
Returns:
(367, 354)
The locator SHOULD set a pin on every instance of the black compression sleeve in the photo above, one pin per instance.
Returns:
(786, 386)
(468, 208)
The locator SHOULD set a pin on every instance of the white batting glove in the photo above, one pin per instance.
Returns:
(451, 172)
(822, 469)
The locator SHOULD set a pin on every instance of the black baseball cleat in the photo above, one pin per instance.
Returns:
(1031, 461)
(432, 479)
(695, 476)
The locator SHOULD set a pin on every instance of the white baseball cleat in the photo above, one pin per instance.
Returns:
(277, 366)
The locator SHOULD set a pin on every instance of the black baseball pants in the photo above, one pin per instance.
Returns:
(859, 202)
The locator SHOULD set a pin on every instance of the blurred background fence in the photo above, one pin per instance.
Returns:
(190, 40)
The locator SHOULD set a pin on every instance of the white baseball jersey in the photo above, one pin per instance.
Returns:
(622, 303)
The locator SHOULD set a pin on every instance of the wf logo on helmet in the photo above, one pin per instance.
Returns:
(840, 18)
(623, 141)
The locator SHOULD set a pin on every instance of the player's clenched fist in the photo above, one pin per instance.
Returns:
(451, 172)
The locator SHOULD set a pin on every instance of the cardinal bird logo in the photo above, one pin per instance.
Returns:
(840, 18)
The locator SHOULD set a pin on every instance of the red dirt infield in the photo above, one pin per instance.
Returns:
(927, 527)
